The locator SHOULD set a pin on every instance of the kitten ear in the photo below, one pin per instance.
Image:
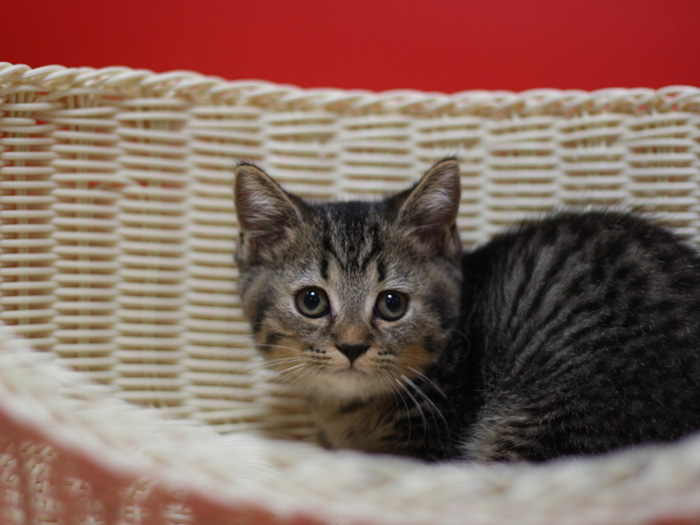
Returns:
(430, 209)
(265, 211)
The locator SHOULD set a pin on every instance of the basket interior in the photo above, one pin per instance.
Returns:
(117, 226)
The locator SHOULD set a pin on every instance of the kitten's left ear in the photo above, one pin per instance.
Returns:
(430, 209)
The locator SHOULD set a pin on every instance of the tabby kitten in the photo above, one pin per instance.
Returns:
(575, 334)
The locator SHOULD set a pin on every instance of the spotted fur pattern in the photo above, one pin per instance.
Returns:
(573, 334)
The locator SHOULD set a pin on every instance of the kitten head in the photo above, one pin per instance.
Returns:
(348, 299)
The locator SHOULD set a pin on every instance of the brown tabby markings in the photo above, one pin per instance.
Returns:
(575, 334)
(353, 251)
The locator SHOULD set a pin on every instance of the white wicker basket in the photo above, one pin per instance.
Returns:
(141, 399)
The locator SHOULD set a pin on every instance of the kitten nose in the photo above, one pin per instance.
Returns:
(352, 351)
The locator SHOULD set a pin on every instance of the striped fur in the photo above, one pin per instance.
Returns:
(574, 334)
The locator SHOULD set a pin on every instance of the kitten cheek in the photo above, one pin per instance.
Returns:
(277, 358)
(415, 359)
(276, 348)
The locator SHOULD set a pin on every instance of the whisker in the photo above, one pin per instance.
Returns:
(425, 378)
(260, 364)
(295, 373)
(385, 378)
(283, 360)
(397, 391)
(433, 407)
(287, 373)
(281, 347)
(415, 402)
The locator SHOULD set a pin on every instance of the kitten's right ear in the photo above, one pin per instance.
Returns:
(429, 209)
(265, 211)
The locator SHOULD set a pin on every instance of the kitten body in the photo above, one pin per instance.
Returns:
(573, 334)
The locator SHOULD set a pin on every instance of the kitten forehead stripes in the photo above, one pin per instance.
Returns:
(350, 235)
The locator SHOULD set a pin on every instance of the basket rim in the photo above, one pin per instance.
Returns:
(198, 87)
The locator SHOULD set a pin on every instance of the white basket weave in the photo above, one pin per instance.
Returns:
(142, 400)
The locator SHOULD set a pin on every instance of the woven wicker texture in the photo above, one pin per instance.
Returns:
(143, 401)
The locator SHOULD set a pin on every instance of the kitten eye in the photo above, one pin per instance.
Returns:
(391, 305)
(312, 302)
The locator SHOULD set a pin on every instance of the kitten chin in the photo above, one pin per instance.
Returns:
(343, 386)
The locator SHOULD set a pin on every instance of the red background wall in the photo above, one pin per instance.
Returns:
(442, 45)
